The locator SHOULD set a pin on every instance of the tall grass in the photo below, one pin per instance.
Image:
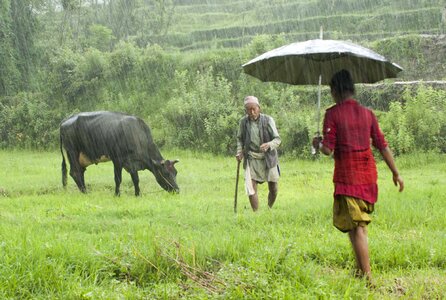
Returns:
(61, 244)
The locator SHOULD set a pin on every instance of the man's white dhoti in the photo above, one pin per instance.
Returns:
(248, 182)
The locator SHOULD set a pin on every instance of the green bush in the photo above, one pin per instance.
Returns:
(26, 121)
(417, 124)
(295, 136)
(93, 66)
(124, 60)
(396, 129)
(100, 37)
(296, 121)
(62, 76)
(426, 116)
(201, 114)
(78, 78)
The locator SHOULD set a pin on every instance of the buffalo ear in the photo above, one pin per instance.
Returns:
(163, 162)
(157, 163)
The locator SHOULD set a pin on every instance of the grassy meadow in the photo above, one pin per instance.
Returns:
(61, 244)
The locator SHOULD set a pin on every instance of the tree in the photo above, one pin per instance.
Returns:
(17, 51)
(9, 74)
(100, 37)
(70, 25)
(24, 26)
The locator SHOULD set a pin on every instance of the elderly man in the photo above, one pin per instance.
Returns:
(257, 141)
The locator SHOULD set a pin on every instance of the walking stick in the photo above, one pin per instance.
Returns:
(236, 186)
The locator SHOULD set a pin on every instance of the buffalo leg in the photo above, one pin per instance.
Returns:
(77, 172)
(135, 179)
(64, 172)
(82, 173)
(118, 178)
(78, 176)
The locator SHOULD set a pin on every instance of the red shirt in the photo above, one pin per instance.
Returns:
(348, 130)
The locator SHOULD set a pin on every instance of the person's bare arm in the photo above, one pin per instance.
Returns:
(388, 158)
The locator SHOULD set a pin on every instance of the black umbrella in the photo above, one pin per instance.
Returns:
(316, 61)
(302, 63)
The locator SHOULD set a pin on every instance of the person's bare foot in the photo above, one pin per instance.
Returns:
(368, 278)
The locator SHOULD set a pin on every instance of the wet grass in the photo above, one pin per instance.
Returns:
(61, 244)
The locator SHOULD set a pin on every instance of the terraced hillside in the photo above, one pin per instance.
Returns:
(203, 24)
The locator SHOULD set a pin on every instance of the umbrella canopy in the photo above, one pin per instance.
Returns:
(302, 63)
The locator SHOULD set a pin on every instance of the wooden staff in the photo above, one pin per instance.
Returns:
(236, 186)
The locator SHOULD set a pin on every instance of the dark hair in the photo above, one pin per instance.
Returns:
(342, 82)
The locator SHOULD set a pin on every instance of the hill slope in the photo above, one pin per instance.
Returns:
(233, 23)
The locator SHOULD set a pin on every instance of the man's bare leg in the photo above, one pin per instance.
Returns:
(254, 199)
(358, 238)
(272, 195)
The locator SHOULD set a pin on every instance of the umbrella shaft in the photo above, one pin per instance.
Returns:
(318, 119)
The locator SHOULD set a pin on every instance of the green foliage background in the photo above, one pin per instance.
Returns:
(177, 64)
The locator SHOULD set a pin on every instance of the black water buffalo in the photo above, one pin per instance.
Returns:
(93, 137)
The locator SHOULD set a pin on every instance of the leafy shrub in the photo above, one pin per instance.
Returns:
(26, 121)
(78, 78)
(123, 60)
(263, 43)
(426, 116)
(296, 122)
(201, 113)
(93, 65)
(295, 136)
(418, 122)
(396, 129)
(63, 73)
(100, 37)
(157, 68)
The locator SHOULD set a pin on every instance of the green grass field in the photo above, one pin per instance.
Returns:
(61, 244)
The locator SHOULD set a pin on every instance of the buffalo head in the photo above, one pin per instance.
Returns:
(165, 174)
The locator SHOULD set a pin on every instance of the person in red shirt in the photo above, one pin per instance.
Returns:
(348, 132)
